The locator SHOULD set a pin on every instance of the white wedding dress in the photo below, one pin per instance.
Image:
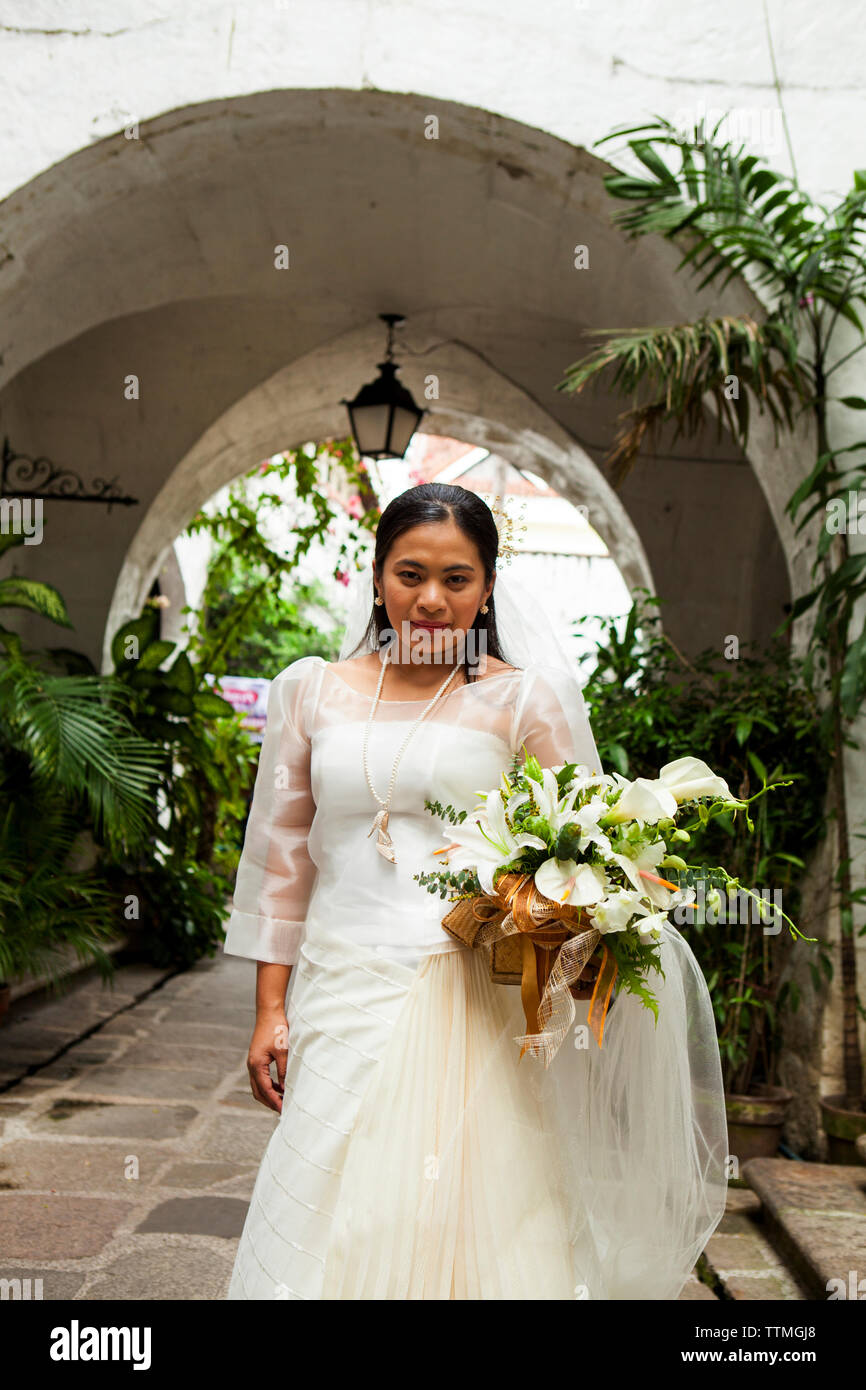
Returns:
(416, 1155)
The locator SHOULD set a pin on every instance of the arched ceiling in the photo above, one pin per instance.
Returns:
(152, 261)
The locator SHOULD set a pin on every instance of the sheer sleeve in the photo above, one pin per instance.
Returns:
(276, 874)
(550, 718)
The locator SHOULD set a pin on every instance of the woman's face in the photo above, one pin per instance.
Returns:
(432, 574)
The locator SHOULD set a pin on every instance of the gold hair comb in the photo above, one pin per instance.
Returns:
(507, 528)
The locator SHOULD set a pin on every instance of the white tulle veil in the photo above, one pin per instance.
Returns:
(616, 1154)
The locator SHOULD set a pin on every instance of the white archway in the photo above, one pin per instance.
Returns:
(150, 326)
(299, 404)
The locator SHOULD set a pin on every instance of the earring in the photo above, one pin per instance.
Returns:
(378, 600)
(484, 608)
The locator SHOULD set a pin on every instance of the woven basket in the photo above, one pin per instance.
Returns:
(506, 954)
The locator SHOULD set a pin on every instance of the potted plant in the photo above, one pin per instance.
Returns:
(748, 999)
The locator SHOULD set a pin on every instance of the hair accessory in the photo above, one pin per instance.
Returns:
(507, 529)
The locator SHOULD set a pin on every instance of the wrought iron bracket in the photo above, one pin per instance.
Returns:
(23, 476)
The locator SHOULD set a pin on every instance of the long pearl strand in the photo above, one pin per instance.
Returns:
(380, 823)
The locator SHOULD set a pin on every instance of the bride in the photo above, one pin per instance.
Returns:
(417, 1156)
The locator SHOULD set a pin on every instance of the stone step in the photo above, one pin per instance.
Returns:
(814, 1215)
(741, 1262)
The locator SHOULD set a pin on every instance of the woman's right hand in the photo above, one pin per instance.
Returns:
(270, 1042)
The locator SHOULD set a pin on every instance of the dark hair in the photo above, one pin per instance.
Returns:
(431, 503)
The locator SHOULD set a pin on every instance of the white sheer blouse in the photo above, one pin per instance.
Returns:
(308, 856)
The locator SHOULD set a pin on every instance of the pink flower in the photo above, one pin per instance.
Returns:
(354, 507)
(342, 576)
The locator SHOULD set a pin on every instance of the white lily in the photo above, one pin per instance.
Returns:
(555, 808)
(588, 817)
(484, 841)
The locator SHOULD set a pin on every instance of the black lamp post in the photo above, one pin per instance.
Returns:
(383, 415)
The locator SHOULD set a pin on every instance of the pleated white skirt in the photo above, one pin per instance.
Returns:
(416, 1157)
(380, 1180)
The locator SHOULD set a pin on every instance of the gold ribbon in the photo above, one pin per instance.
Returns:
(555, 947)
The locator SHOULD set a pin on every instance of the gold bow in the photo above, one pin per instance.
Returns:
(555, 946)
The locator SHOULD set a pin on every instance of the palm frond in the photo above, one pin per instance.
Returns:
(738, 211)
(18, 592)
(679, 368)
(44, 906)
(77, 736)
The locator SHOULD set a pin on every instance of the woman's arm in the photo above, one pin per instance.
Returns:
(550, 719)
(271, 1034)
(275, 874)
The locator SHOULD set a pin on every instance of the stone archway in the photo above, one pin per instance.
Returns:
(148, 327)
(482, 409)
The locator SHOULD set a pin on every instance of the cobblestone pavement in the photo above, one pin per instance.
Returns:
(130, 1144)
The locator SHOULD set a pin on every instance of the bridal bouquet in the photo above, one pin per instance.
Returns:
(557, 865)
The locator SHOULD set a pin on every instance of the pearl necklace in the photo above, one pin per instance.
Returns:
(380, 822)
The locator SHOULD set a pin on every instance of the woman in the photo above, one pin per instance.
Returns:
(414, 1157)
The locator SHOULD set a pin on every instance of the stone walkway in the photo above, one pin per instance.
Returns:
(127, 1163)
(130, 1142)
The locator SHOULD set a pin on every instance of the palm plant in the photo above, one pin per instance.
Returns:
(736, 216)
(70, 759)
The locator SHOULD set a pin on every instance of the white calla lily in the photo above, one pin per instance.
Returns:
(688, 778)
(643, 800)
(564, 880)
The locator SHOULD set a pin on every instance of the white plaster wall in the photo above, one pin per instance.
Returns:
(76, 72)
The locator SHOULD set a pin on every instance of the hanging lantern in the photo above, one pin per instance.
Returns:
(383, 416)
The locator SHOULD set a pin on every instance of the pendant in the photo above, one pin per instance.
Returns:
(383, 842)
